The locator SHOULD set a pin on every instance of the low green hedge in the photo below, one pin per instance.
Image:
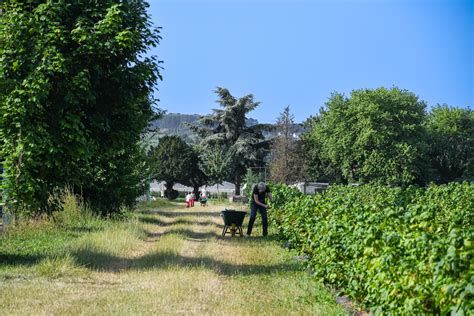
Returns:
(393, 250)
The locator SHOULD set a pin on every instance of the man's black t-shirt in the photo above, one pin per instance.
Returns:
(261, 196)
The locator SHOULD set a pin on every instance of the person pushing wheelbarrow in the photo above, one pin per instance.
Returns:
(258, 203)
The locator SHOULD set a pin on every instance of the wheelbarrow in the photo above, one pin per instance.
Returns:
(233, 221)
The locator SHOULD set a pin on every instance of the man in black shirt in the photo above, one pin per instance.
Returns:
(259, 194)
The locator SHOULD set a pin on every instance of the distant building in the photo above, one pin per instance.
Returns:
(310, 187)
(225, 187)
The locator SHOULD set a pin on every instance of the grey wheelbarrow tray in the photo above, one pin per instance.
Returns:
(233, 221)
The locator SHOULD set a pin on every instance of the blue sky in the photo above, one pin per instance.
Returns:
(297, 52)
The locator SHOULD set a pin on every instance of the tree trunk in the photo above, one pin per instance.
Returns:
(196, 191)
(169, 189)
(238, 182)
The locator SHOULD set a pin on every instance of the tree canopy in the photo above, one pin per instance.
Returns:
(451, 135)
(216, 163)
(75, 97)
(373, 136)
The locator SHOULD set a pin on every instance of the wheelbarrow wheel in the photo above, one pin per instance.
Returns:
(233, 222)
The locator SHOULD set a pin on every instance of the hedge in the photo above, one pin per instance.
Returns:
(392, 250)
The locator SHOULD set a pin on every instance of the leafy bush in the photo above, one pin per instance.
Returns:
(222, 196)
(393, 250)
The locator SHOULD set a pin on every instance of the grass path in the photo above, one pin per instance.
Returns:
(173, 261)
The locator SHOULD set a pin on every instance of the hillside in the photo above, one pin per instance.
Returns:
(176, 124)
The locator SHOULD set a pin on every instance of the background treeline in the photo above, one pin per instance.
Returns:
(385, 136)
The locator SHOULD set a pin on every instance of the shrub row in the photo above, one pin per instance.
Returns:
(393, 250)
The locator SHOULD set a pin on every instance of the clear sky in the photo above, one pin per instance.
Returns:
(297, 52)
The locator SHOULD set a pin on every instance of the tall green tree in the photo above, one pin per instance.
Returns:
(217, 164)
(75, 97)
(374, 136)
(172, 161)
(227, 127)
(196, 176)
(451, 136)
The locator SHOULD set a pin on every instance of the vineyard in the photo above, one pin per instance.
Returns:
(393, 250)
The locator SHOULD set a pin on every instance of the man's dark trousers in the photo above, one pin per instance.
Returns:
(253, 214)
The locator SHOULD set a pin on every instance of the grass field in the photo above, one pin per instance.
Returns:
(165, 259)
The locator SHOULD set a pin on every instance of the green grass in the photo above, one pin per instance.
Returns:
(163, 260)
(180, 203)
(159, 203)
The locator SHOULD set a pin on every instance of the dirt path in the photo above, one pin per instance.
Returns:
(182, 266)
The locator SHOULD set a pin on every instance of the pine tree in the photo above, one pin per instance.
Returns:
(284, 166)
(226, 127)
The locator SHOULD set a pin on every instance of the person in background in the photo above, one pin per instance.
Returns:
(258, 203)
(203, 198)
(193, 198)
(188, 199)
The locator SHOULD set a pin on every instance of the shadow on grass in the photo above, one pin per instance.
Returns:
(153, 221)
(157, 221)
(169, 260)
(101, 262)
(13, 259)
(174, 214)
(186, 233)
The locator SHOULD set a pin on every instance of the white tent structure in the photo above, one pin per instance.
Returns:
(226, 187)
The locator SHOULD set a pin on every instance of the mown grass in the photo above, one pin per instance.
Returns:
(162, 203)
(160, 260)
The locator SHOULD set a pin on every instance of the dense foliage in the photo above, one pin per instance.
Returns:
(451, 140)
(174, 161)
(395, 251)
(216, 163)
(75, 96)
(227, 128)
(373, 136)
(318, 166)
